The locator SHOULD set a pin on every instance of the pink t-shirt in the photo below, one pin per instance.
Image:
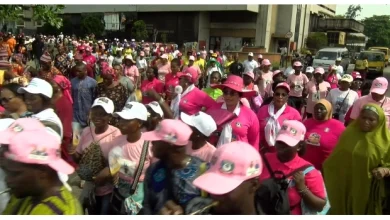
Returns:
(156, 85)
(205, 153)
(289, 113)
(321, 138)
(131, 72)
(104, 140)
(299, 82)
(132, 152)
(358, 105)
(333, 81)
(245, 127)
(195, 67)
(313, 179)
(314, 95)
(171, 81)
(267, 80)
(163, 70)
(194, 101)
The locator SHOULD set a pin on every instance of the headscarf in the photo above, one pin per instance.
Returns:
(46, 58)
(347, 171)
(65, 86)
(110, 71)
(328, 107)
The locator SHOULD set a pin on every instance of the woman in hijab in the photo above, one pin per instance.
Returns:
(355, 170)
(13, 102)
(322, 134)
(271, 116)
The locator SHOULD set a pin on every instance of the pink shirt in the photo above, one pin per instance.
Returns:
(194, 101)
(195, 67)
(358, 105)
(333, 81)
(104, 140)
(267, 80)
(313, 179)
(299, 81)
(245, 127)
(289, 113)
(156, 85)
(131, 72)
(163, 70)
(171, 82)
(321, 138)
(205, 153)
(314, 95)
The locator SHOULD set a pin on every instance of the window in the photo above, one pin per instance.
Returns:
(326, 55)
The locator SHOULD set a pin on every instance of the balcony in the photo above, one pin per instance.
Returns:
(337, 24)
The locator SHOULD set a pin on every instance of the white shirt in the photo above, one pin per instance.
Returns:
(142, 64)
(336, 98)
(110, 59)
(289, 70)
(249, 66)
(51, 116)
(340, 70)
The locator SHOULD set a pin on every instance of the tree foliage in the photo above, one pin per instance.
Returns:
(353, 11)
(46, 13)
(316, 40)
(377, 29)
(92, 24)
(139, 31)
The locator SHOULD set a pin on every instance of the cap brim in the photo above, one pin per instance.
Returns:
(30, 90)
(124, 115)
(245, 93)
(186, 119)
(346, 81)
(378, 91)
(104, 107)
(61, 166)
(207, 182)
(283, 86)
(150, 136)
(5, 136)
(292, 142)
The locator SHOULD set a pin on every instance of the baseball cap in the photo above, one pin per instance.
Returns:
(283, 85)
(156, 108)
(347, 78)
(260, 56)
(172, 131)
(192, 58)
(291, 132)
(356, 75)
(379, 85)
(105, 103)
(319, 70)
(133, 110)
(164, 56)
(309, 69)
(38, 86)
(30, 143)
(338, 59)
(251, 74)
(266, 62)
(191, 73)
(162, 49)
(5, 123)
(250, 54)
(201, 121)
(231, 164)
(129, 57)
(297, 63)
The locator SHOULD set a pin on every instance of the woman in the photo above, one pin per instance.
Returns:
(13, 102)
(151, 83)
(271, 116)
(245, 127)
(17, 65)
(332, 77)
(265, 76)
(101, 134)
(163, 68)
(62, 62)
(215, 79)
(278, 76)
(322, 134)
(130, 70)
(125, 81)
(113, 90)
(355, 170)
(357, 83)
(171, 79)
(317, 89)
(155, 115)
(212, 67)
(306, 191)
(47, 71)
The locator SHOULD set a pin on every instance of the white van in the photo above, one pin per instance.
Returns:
(327, 57)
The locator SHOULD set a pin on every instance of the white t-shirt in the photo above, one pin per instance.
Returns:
(51, 116)
(249, 66)
(336, 98)
(340, 70)
(110, 59)
(142, 64)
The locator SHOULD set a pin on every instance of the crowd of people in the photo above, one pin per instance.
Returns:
(151, 131)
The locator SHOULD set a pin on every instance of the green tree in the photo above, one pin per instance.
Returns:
(316, 41)
(92, 24)
(377, 29)
(138, 31)
(46, 13)
(353, 11)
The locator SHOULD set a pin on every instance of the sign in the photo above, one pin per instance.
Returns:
(289, 34)
(342, 38)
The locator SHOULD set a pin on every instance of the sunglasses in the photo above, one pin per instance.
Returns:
(6, 100)
(229, 92)
(277, 94)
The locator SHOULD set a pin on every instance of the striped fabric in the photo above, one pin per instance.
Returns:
(3, 53)
(4, 63)
(46, 58)
(64, 203)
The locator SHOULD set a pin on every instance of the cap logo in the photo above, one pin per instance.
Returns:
(38, 154)
(378, 85)
(368, 107)
(253, 169)
(128, 106)
(17, 128)
(227, 166)
(105, 100)
(170, 138)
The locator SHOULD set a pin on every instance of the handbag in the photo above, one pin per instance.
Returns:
(122, 205)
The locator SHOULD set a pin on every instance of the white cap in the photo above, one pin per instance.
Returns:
(192, 58)
(129, 57)
(124, 40)
(132, 40)
(105, 103)
(201, 121)
(133, 110)
(162, 49)
(5, 123)
(142, 41)
(250, 54)
(338, 59)
(38, 86)
(164, 56)
(211, 51)
(156, 108)
(309, 69)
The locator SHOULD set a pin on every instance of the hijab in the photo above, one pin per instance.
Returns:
(328, 107)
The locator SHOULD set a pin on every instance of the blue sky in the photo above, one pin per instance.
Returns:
(367, 11)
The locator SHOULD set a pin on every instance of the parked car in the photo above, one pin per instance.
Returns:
(327, 57)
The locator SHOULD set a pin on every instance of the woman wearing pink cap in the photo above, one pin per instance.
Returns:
(332, 77)
(316, 89)
(306, 190)
(130, 70)
(164, 67)
(297, 82)
(245, 127)
(322, 135)
(265, 77)
(271, 116)
(172, 80)
(278, 76)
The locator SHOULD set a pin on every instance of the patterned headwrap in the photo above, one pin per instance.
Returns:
(65, 86)
(109, 71)
(46, 58)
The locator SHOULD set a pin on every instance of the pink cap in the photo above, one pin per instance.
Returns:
(30, 143)
(237, 84)
(179, 54)
(231, 164)
(297, 63)
(164, 56)
(276, 72)
(379, 86)
(88, 49)
(191, 73)
(356, 75)
(319, 70)
(260, 56)
(251, 74)
(172, 131)
(283, 85)
(291, 133)
(266, 62)
(142, 53)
